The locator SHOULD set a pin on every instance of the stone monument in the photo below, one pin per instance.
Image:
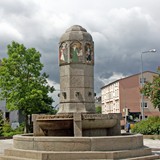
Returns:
(76, 115)
(76, 131)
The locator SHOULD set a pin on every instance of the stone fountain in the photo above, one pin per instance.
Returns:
(76, 131)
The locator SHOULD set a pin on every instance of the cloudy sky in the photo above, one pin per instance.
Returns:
(121, 30)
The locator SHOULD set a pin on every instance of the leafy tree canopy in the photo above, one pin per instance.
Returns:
(152, 90)
(98, 109)
(21, 82)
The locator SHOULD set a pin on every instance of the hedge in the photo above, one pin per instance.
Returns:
(150, 126)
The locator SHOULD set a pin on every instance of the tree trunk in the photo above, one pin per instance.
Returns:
(26, 124)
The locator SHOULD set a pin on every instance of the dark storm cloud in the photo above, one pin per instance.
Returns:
(50, 58)
(119, 45)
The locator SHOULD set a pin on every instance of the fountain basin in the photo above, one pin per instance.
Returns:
(107, 143)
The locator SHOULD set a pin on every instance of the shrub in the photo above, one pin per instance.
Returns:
(150, 126)
(98, 109)
(8, 131)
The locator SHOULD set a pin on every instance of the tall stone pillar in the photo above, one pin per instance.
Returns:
(76, 61)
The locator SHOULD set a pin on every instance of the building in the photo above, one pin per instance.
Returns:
(13, 117)
(123, 96)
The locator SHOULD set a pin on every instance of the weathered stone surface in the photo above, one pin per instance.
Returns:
(89, 124)
(77, 125)
(54, 117)
(76, 107)
(134, 154)
(117, 143)
(108, 143)
(76, 69)
(76, 32)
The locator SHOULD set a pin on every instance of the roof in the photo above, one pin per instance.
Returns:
(76, 32)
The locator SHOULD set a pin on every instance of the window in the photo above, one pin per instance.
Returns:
(7, 116)
(142, 80)
(144, 105)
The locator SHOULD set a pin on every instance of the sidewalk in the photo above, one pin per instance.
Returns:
(4, 144)
(154, 144)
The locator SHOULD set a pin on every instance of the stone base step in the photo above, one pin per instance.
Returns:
(4, 157)
(150, 157)
(23, 153)
(136, 154)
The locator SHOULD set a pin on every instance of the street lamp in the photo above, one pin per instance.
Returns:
(142, 81)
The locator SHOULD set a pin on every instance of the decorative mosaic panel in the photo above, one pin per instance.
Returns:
(76, 52)
(63, 53)
(89, 57)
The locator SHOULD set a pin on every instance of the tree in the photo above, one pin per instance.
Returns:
(21, 82)
(152, 90)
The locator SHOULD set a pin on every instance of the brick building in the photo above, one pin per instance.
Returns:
(124, 95)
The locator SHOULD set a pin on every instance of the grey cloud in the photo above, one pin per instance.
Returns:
(106, 74)
(97, 85)
(126, 37)
(17, 8)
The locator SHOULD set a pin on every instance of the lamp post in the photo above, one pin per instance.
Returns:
(142, 80)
